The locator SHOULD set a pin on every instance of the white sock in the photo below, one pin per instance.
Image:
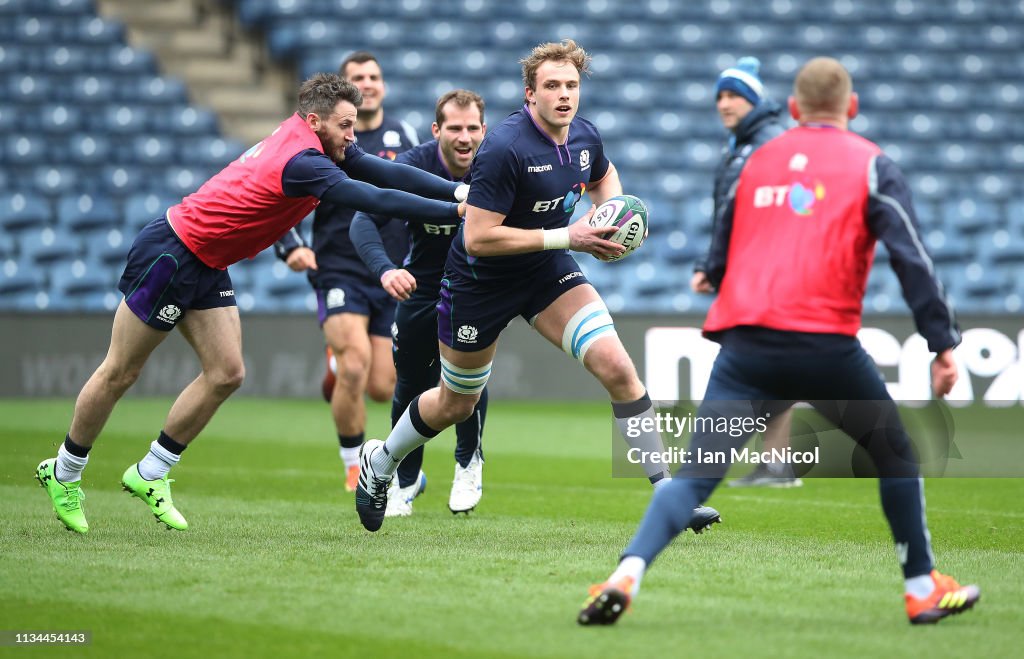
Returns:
(630, 566)
(648, 441)
(404, 438)
(921, 586)
(350, 456)
(69, 467)
(157, 463)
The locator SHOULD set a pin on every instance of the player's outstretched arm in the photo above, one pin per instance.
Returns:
(384, 173)
(361, 196)
(486, 235)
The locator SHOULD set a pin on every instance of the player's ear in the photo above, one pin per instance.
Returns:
(313, 121)
(435, 130)
(530, 100)
(851, 110)
(794, 109)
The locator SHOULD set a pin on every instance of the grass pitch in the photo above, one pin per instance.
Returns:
(276, 564)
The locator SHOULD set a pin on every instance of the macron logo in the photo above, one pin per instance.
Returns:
(539, 168)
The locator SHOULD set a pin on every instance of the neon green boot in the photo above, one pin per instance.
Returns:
(66, 497)
(156, 494)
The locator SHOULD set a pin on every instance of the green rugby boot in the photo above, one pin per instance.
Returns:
(66, 497)
(156, 494)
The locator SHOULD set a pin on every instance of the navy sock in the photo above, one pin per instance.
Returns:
(351, 441)
(903, 504)
(469, 434)
(74, 449)
(169, 444)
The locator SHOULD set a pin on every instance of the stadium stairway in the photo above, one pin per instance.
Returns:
(224, 66)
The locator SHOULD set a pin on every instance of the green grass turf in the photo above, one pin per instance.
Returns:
(276, 563)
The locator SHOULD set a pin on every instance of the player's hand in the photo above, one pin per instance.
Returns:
(301, 259)
(462, 210)
(592, 240)
(399, 283)
(944, 373)
(699, 283)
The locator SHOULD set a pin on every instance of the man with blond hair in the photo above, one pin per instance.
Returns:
(817, 196)
(511, 258)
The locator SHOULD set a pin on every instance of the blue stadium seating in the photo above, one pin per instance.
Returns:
(85, 115)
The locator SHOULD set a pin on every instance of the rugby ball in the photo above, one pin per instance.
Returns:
(627, 213)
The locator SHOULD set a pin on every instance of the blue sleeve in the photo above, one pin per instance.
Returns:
(310, 174)
(600, 161)
(384, 173)
(495, 176)
(365, 234)
(721, 232)
(288, 242)
(361, 196)
(891, 218)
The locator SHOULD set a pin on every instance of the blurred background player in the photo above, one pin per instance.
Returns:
(751, 118)
(510, 258)
(355, 314)
(791, 333)
(176, 276)
(458, 130)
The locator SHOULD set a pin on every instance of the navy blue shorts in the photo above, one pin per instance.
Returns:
(163, 280)
(415, 339)
(472, 313)
(339, 293)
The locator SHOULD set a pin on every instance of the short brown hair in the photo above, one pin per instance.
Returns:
(462, 98)
(567, 50)
(822, 86)
(321, 93)
(358, 57)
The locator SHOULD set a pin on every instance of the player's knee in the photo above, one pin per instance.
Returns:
(381, 390)
(119, 377)
(456, 408)
(353, 369)
(227, 379)
(615, 371)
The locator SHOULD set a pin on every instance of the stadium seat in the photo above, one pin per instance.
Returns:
(84, 212)
(79, 282)
(22, 211)
(25, 150)
(20, 284)
(54, 180)
(187, 120)
(151, 150)
(109, 248)
(47, 245)
(158, 90)
(60, 119)
(209, 152)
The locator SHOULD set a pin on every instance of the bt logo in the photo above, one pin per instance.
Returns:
(569, 200)
(440, 229)
(801, 199)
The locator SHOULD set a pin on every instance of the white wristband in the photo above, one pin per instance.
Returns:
(462, 192)
(556, 238)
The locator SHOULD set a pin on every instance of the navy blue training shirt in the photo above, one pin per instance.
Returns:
(428, 242)
(521, 173)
